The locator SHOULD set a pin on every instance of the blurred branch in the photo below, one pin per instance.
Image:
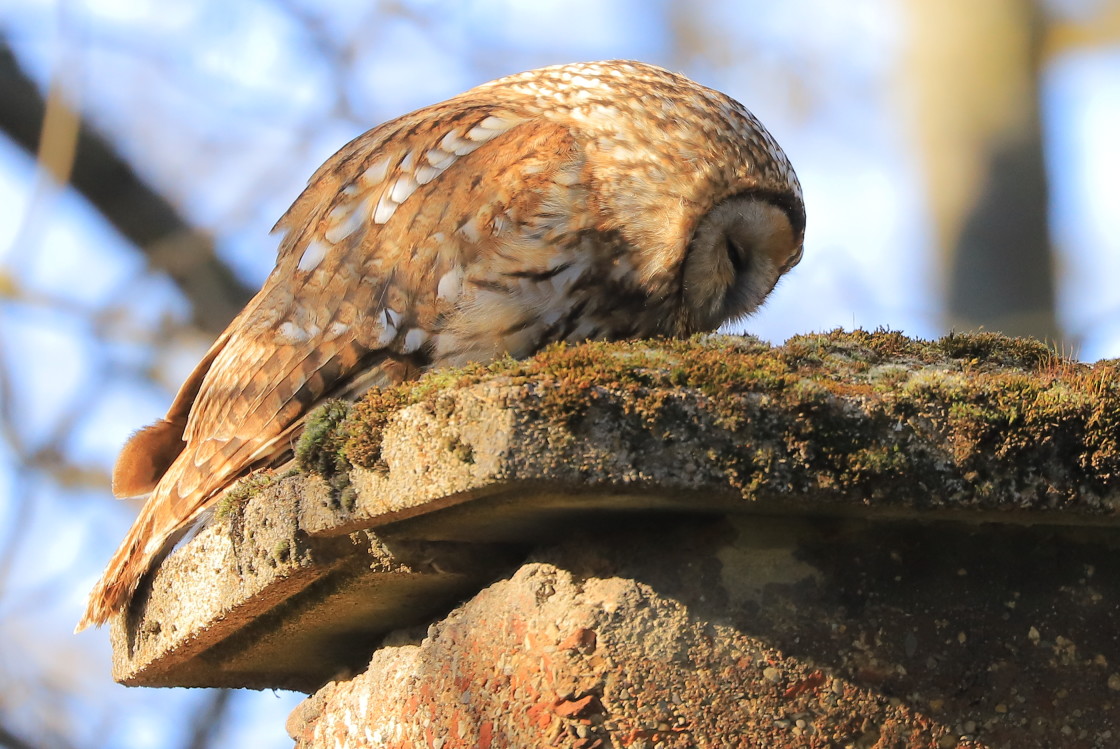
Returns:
(207, 723)
(11, 741)
(134, 209)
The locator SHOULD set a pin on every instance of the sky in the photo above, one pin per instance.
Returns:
(228, 107)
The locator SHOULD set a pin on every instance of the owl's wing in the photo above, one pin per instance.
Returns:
(374, 258)
(376, 251)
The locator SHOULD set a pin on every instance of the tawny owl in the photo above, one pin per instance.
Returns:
(589, 201)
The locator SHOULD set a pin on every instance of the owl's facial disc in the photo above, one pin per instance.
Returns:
(738, 252)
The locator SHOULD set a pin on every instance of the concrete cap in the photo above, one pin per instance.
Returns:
(419, 496)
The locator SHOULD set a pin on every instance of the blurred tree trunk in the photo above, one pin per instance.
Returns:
(973, 72)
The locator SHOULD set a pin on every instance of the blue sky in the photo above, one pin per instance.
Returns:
(228, 107)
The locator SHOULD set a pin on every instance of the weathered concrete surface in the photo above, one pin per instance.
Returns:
(974, 426)
(759, 632)
(432, 490)
(254, 601)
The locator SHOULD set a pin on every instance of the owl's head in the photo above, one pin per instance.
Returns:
(688, 178)
(737, 253)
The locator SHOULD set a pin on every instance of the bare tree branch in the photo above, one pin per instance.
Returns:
(209, 719)
(11, 741)
(137, 211)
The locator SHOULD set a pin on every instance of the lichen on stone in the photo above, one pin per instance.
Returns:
(241, 492)
(876, 413)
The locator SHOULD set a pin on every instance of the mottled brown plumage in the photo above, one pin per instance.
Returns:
(601, 200)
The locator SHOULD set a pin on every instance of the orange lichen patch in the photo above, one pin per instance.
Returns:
(583, 640)
(811, 682)
(578, 708)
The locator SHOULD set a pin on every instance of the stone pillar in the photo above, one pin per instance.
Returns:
(854, 540)
(758, 632)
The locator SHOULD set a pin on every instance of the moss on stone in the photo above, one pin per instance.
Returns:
(461, 450)
(364, 429)
(282, 551)
(838, 412)
(994, 349)
(244, 490)
(321, 446)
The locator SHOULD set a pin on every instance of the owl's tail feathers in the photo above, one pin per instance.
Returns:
(122, 575)
(147, 456)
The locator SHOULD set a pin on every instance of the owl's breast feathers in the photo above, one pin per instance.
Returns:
(553, 205)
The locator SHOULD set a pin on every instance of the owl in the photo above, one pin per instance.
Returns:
(606, 200)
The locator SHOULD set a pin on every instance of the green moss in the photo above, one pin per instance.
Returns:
(348, 498)
(996, 349)
(461, 450)
(829, 412)
(282, 552)
(244, 490)
(321, 446)
(364, 428)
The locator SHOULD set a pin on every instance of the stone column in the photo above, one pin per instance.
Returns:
(854, 540)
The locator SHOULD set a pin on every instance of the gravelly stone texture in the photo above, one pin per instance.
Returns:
(907, 544)
(758, 632)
